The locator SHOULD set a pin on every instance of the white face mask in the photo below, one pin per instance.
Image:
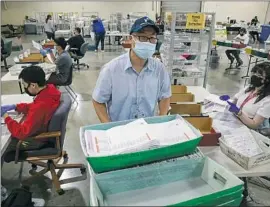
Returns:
(144, 50)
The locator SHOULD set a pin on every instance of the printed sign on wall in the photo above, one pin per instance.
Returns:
(195, 21)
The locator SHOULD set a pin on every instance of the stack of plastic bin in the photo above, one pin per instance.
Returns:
(176, 175)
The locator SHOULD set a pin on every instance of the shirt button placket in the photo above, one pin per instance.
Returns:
(139, 92)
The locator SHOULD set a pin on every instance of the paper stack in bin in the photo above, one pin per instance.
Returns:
(182, 182)
(154, 139)
(246, 147)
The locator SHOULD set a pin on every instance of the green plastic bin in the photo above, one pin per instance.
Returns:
(121, 161)
(187, 182)
(233, 203)
(259, 54)
(225, 44)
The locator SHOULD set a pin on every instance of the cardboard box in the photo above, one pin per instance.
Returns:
(178, 89)
(192, 109)
(49, 44)
(248, 162)
(182, 97)
(33, 58)
(204, 124)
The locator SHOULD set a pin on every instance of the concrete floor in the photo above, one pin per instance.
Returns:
(77, 193)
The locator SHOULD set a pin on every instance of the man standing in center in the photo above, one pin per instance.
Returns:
(131, 85)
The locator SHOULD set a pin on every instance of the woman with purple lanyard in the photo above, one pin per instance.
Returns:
(252, 104)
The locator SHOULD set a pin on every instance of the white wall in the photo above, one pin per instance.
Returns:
(267, 16)
(18, 10)
(237, 10)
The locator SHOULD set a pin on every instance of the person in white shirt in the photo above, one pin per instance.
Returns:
(252, 104)
(49, 28)
(233, 54)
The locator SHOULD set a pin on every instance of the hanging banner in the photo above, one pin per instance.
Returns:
(195, 21)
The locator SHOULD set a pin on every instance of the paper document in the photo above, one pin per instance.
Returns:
(4, 130)
(215, 99)
(36, 45)
(171, 132)
(137, 136)
(243, 142)
(212, 103)
(49, 56)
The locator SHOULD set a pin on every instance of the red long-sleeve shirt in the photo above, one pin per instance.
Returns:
(37, 114)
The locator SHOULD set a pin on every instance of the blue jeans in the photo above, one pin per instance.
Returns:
(100, 38)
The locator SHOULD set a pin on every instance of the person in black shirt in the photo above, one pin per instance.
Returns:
(254, 21)
(76, 41)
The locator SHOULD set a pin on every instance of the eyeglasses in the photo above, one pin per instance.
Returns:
(152, 40)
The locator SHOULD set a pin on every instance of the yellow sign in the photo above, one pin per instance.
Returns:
(195, 21)
(221, 34)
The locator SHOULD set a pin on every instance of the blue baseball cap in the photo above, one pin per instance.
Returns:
(139, 24)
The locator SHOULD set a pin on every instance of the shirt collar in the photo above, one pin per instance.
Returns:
(128, 64)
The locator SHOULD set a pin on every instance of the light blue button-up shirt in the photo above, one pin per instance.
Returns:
(129, 94)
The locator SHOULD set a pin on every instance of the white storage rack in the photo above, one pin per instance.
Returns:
(115, 21)
(186, 53)
(125, 26)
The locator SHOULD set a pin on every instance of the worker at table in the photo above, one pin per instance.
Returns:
(76, 41)
(252, 104)
(131, 85)
(233, 54)
(63, 63)
(36, 114)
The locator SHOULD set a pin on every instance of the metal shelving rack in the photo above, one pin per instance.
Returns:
(186, 52)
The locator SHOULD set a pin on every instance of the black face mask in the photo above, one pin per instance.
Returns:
(256, 81)
(27, 91)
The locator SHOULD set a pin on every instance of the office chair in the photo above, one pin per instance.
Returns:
(77, 58)
(68, 87)
(8, 50)
(52, 152)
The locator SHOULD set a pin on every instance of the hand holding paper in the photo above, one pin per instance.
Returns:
(43, 52)
(6, 108)
(233, 108)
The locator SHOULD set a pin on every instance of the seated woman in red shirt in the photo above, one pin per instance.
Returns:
(36, 114)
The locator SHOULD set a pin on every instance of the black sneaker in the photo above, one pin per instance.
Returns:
(239, 64)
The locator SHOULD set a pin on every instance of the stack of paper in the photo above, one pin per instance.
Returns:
(243, 142)
(212, 103)
(4, 131)
(137, 136)
(36, 45)
(226, 123)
